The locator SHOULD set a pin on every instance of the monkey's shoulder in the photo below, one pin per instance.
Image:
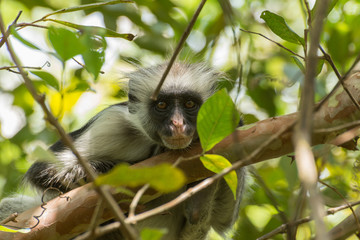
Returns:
(111, 135)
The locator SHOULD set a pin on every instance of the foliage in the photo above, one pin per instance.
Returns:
(216, 164)
(151, 234)
(163, 177)
(267, 84)
(278, 25)
(217, 118)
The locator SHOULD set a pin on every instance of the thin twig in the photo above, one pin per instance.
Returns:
(25, 67)
(178, 48)
(7, 33)
(100, 231)
(351, 69)
(229, 17)
(328, 58)
(302, 139)
(338, 128)
(11, 218)
(239, 66)
(343, 198)
(309, 18)
(96, 215)
(280, 45)
(183, 159)
(136, 199)
(340, 78)
(22, 25)
(127, 230)
(306, 30)
(141, 192)
(283, 227)
(332, 211)
(84, 66)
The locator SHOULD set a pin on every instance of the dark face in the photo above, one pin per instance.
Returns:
(173, 119)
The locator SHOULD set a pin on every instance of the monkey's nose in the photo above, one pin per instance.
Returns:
(178, 122)
(178, 128)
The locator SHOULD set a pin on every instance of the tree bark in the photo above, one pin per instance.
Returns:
(65, 219)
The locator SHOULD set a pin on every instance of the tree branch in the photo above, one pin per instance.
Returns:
(178, 48)
(279, 44)
(304, 157)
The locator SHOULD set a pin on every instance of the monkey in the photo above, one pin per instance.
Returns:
(135, 130)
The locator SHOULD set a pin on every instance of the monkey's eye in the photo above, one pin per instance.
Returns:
(161, 105)
(190, 104)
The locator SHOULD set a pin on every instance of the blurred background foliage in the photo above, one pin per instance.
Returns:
(267, 84)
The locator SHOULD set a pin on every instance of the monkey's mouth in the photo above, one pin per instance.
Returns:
(177, 142)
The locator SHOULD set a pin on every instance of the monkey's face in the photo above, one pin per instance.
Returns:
(172, 119)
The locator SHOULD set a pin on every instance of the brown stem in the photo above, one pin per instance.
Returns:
(280, 45)
(178, 48)
(302, 139)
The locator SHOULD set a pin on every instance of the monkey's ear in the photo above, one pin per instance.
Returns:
(132, 103)
(132, 108)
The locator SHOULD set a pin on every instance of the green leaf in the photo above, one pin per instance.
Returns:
(249, 118)
(278, 25)
(95, 30)
(87, 6)
(94, 56)
(330, 7)
(319, 66)
(163, 177)
(14, 230)
(21, 39)
(152, 234)
(48, 78)
(301, 66)
(93, 61)
(217, 119)
(299, 63)
(216, 164)
(65, 42)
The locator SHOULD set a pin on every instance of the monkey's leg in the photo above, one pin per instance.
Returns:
(198, 210)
